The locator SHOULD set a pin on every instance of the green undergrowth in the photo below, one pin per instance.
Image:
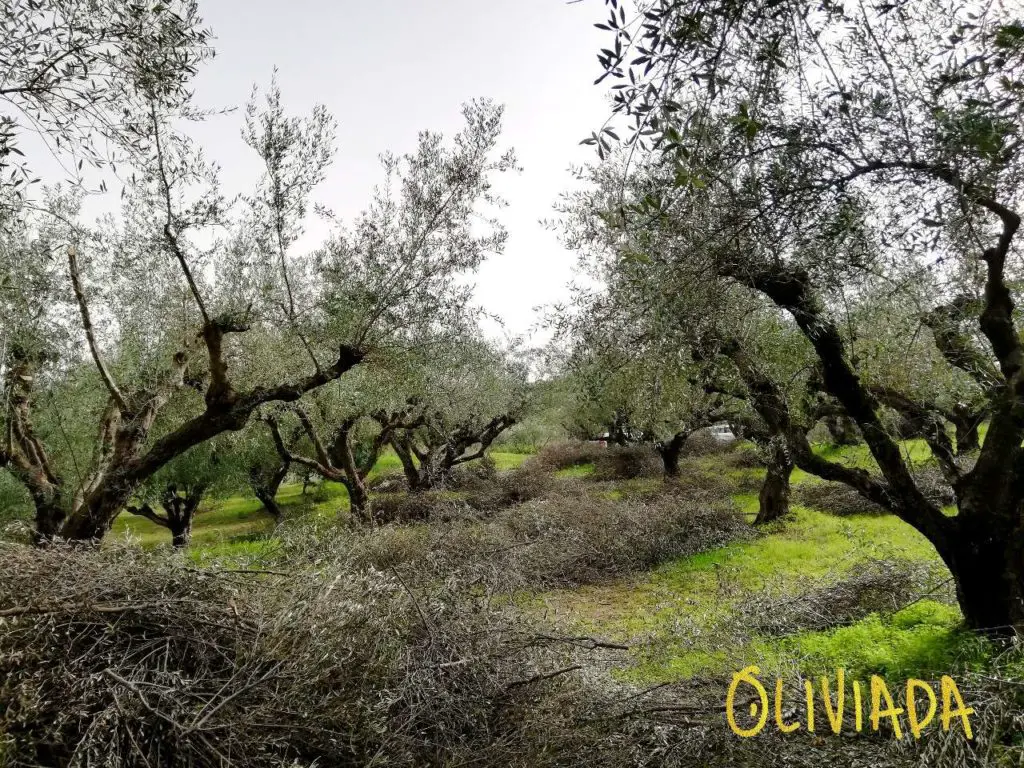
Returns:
(577, 471)
(922, 640)
(916, 452)
(686, 618)
(681, 619)
(506, 460)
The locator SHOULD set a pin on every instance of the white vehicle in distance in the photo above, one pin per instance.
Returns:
(722, 432)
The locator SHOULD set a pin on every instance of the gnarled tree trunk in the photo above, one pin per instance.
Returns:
(618, 429)
(266, 485)
(670, 450)
(179, 511)
(773, 500)
(982, 545)
(358, 498)
(124, 457)
(336, 461)
(404, 450)
(966, 423)
(49, 516)
(441, 453)
(987, 563)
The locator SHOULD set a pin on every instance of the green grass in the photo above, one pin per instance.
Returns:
(387, 463)
(923, 640)
(223, 518)
(680, 618)
(240, 551)
(916, 452)
(579, 470)
(507, 460)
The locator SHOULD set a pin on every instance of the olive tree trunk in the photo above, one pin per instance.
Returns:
(773, 500)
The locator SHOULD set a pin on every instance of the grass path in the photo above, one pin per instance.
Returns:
(683, 619)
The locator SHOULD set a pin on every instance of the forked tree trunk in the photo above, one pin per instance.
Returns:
(435, 462)
(181, 534)
(49, 517)
(93, 520)
(270, 505)
(265, 488)
(427, 476)
(337, 461)
(181, 511)
(988, 570)
(358, 498)
(404, 452)
(983, 546)
(773, 501)
(670, 451)
(433, 467)
(126, 458)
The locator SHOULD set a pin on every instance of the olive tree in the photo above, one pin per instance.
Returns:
(187, 291)
(178, 488)
(672, 318)
(141, 293)
(259, 467)
(832, 142)
(74, 74)
(629, 382)
(465, 394)
(340, 431)
(394, 281)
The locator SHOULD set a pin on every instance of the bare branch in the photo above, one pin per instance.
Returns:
(90, 335)
(150, 514)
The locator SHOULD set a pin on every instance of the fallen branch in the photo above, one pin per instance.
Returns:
(590, 643)
(542, 678)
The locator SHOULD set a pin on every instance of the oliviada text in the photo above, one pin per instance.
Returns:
(870, 710)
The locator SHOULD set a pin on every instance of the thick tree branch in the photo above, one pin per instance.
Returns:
(314, 438)
(90, 335)
(220, 391)
(219, 417)
(150, 514)
(973, 192)
(485, 437)
(929, 422)
(956, 346)
(323, 469)
(103, 451)
(899, 493)
(24, 454)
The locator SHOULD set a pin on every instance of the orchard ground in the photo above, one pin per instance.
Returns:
(562, 608)
(809, 594)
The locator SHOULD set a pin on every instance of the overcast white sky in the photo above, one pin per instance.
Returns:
(387, 69)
